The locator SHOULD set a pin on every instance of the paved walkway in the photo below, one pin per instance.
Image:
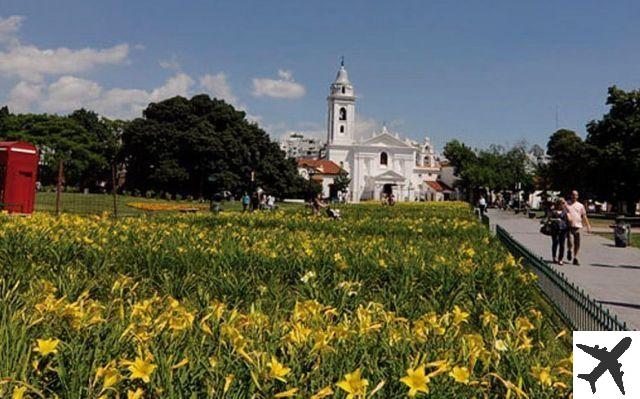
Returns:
(610, 275)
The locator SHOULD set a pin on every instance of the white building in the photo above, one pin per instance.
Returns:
(381, 163)
(297, 145)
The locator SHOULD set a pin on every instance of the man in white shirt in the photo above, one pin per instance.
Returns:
(577, 216)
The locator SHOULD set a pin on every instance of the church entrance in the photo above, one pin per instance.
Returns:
(387, 189)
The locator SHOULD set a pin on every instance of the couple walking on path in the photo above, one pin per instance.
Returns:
(566, 220)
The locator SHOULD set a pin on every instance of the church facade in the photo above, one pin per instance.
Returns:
(383, 163)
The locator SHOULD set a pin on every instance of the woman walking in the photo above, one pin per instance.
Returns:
(559, 219)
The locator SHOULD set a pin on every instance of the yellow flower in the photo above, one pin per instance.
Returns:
(277, 370)
(135, 395)
(47, 346)
(213, 362)
(286, 394)
(323, 393)
(543, 374)
(228, 380)
(460, 374)
(109, 374)
(459, 315)
(500, 345)
(18, 392)
(141, 369)
(181, 363)
(416, 380)
(354, 385)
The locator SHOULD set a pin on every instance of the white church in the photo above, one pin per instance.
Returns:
(381, 163)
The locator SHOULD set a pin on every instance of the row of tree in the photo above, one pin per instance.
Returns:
(605, 166)
(198, 147)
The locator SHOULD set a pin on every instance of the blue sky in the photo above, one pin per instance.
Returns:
(482, 72)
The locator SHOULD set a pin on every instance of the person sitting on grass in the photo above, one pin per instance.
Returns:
(317, 204)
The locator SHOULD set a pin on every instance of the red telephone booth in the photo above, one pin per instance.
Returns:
(18, 174)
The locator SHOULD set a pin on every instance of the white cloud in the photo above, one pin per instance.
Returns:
(9, 27)
(69, 93)
(171, 64)
(365, 127)
(23, 95)
(218, 87)
(178, 85)
(285, 87)
(32, 63)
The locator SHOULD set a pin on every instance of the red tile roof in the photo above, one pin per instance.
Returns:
(321, 166)
(438, 186)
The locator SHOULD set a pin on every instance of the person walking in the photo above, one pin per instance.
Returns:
(245, 201)
(482, 205)
(577, 219)
(558, 216)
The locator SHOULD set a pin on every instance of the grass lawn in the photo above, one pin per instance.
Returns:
(100, 203)
(635, 238)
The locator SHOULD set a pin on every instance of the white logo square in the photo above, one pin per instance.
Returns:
(606, 364)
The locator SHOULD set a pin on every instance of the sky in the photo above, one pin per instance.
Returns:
(485, 73)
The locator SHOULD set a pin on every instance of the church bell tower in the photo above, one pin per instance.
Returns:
(342, 110)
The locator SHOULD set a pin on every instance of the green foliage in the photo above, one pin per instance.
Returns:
(201, 146)
(85, 142)
(494, 168)
(569, 160)
(342, 182)
(615, 149)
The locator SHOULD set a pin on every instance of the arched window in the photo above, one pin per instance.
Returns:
(343, 114)
(384, 158)
(341, 128)
(343, 89)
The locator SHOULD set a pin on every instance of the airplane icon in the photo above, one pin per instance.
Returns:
(608, 362)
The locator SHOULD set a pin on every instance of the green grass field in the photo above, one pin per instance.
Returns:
(100, 203)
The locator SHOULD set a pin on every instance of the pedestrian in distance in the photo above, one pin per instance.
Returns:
(577, 219)
(482, 205)
(558, 217)
(245, 201)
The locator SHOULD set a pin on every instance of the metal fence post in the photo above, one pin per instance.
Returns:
(59, 185)
(114, 189)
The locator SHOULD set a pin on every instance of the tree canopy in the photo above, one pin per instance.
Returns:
(615, 146)
(493, 169)
(87, 143)
(201, 146)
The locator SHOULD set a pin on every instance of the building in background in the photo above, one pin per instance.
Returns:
(321, 171)
(381, 164)
(298, 145)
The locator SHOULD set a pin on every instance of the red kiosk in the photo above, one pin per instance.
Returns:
(18, 174)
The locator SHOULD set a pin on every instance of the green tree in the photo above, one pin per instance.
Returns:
(341, 182)
(201, 146)
(568, 167)
(615, 149)
(81, 140)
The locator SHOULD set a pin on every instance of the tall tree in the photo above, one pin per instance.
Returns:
(81, 140)
(615, 140)
(568, 166)
(200, 146)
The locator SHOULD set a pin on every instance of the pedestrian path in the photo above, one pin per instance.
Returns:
(608, 274)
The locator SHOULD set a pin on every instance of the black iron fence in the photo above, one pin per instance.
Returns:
(578, 309)
(107, 197)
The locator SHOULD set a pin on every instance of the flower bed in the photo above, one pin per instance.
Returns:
(413, 300)
(167, 206)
